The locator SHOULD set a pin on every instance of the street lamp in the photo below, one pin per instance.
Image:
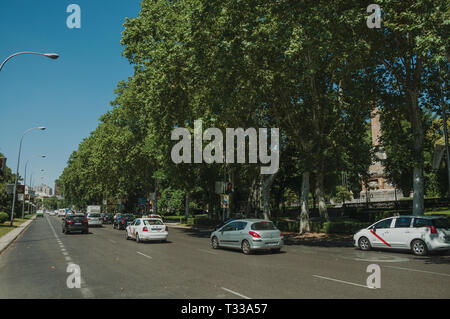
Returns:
(42, 128)
(52, 56)
(25, 182)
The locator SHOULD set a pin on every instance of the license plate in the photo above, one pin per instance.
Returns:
(272, 243)
(77, 224)
(156, 228)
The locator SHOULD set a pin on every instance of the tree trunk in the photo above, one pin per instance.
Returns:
(323, 213)
(251, 193)
(304, 212)
(186, 208)
(267, 181)
(418, 183)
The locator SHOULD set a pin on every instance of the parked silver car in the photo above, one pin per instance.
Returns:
(248, 235)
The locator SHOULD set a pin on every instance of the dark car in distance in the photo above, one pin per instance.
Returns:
(107, 218)
(122, 221)
(75, 223)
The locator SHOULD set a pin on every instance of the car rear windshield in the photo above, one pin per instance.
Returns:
(76, 219)
(441, 223)
(263, 226)
(94, 215)
(153, 222)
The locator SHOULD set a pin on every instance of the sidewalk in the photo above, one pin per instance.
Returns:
(7, 239)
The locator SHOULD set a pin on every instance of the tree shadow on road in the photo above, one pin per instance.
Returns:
(199, 233)
(436, 258)
(325, 241)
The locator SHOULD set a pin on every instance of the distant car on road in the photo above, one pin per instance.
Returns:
(147, 229)
(122, 221)
(248, 235)
(106, 218)
(75, 223)
(62, 212)
(53, 213)
(420, 234)
(94, 219)
(40, 213)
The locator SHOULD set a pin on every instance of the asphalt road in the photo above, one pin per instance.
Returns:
(35, 266)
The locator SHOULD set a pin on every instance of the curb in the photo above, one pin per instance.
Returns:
(10, 237)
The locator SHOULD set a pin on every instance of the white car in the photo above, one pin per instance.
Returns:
(146, 229)
(53, 213)
(420, 234)
(94, 219)
(62, 212)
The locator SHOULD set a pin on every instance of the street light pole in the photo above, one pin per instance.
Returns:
(52, 56)
(17, 169)
(25, 184)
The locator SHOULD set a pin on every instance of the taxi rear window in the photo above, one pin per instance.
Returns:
(153, 222)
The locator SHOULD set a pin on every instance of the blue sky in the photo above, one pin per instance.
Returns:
(67, 95)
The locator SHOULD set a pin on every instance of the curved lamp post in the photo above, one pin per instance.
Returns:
(52, 56)
(25, 181)
(17, 169)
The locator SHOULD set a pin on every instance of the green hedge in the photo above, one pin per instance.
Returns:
(180, 219)
(202, 220)
(3, 217)
(338, 226)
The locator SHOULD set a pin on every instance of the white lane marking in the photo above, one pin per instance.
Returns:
(207, 251)
(424, 271)
(85, 292)
(341, 281)
(144, 255)
(236, 293)
(113, 241)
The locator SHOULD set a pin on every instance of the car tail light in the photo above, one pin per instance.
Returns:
(85, 221)
(69, 222)
(432, 229)
(281, 234)
(145, 228)
(167, 228)
(254, 235)
(122, 221)
(88, 218)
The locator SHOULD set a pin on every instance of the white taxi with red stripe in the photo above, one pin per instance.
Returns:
(147, 229)
(420, 234)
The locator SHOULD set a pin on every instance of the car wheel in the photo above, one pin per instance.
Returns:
(215, 243)
(419, 247)
(63, 231)
(137, 238)
(364, 244)
(276, 250)
(246, 247)
(126, 235)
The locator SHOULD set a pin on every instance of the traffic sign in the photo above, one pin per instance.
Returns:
(224, 201)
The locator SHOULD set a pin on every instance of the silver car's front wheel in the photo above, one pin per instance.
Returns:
(364, 243)
(214, 243)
